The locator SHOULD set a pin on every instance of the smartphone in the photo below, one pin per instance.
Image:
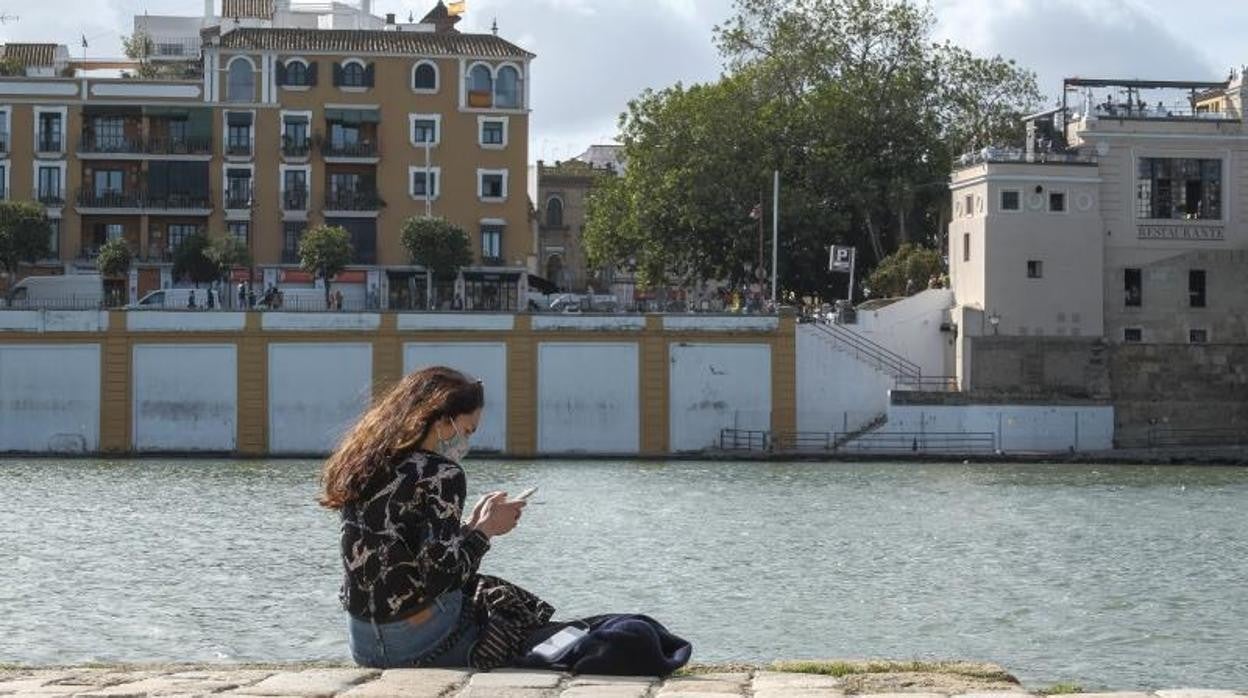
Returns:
(525, 494)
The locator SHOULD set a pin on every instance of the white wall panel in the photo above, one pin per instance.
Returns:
(50, 398)
(835, 391)
(485, 361)
(316, 393)
(1017, 428)
(588, 398)
(185, 397)
(717, 386)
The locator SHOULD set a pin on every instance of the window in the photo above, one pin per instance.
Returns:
(966, 247)
(178, 233)
(178, 132)
(240, 82)
(238, 230)
(1133, 286)
(425, 183)
(969, 206)
(1010, 201)
(353, 74)
(54, 238)
(492, 243)
(1035, 269)
(493, 184)
(238, 133)
(114, 231)
(109, 132)
(1132, 335)
(480, 86)
(425, 77)
(1196, 288)
(1057, 201)
(554, 212)
(1198, 336)
(424, 129)
(493, 132)
(295, 136)
(507, 88)
(50, 185)
(51, 131)
(1179, 189)
(363, 232)
(296, 74)
(108, 182)
(291, 234)
(4, 178)
(237, 188)
(4, 131)
(340, 183)
(295, 190)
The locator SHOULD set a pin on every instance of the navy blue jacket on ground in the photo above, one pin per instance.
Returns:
(616, 645)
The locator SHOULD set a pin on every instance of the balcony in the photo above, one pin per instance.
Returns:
(360, 150)
(295, 199)
(200, 204)
(91, 145)
(118, 200)
(238, 147)
(50, 197)
(48, 144)
(178, 146)
(493, 262)
(296, 147)
(238, 197)
(4, 141)
(353, 200)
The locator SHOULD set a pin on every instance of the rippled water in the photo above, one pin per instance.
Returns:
(1118, 577)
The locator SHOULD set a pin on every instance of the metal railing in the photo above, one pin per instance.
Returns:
(238, 197)
(142, 200)
(296, 148)
(175, 46)
(4, 141)
(49, 145)
(88, 198)
(864, 349)
(238, 146)
(50, 198)
(365, 149)
(91, 144)
(921, 442)
(295, 199)
(1019, 155)
(1161, 437)
(352, 201)
(744, 440)
(927, 384)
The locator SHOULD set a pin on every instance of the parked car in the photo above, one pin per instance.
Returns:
(173, 299)
(69, 291)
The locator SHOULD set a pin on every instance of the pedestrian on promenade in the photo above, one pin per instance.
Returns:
(242, 295)
(251, 297)
(190, 300)
(410, 585)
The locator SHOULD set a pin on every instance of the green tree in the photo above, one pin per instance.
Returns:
(442, 247)
(24, 234)
(140, 47)
(850, 100)
(114, 258)
(906, 272)
(11, 66)
(325, 251)
(225, 253)
(190, 260)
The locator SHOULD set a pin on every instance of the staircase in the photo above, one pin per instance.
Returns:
(873, 425)
(846, 340)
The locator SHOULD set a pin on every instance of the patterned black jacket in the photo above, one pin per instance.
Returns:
(403, 543)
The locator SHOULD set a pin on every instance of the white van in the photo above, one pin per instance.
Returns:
(174, 299)
(67, 292)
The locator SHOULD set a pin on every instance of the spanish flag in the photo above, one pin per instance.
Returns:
(456, 7)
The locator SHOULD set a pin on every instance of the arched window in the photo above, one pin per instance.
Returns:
(425, 77)
(554, 212)
(296, 73)
(352, 75)
(240, 83)
(507, 88)
(480, 86)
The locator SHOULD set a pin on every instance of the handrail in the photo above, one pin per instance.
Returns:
(896, 364)
(751, 441)
(921, 442)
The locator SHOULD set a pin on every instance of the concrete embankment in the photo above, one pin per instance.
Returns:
(780, 680)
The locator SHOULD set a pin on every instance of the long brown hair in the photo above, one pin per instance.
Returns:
(393, 428)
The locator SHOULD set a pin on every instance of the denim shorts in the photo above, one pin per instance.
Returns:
(402, 644)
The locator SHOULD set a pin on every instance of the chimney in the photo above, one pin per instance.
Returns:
(389, 18)
(366, 7)
(209, 12)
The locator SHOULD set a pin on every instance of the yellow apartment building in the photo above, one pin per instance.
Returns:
(281, 118)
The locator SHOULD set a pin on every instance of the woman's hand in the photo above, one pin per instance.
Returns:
(495, 516)
(475, 517)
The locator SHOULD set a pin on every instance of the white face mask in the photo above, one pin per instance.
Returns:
(454, 448)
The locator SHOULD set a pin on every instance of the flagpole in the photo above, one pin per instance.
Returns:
(853, 262)
(775, 237)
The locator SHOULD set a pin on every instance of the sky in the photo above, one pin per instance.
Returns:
(596, 55)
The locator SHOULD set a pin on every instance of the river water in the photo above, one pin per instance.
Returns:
(1109, 576)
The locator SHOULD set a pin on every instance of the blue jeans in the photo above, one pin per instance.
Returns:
(402, 644)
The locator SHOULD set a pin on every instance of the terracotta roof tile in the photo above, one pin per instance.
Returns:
(257, 9)
(31, 54)
(362, 41)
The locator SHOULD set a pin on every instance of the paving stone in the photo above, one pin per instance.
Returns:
(797, 693)
(506, 692)
(774, 680)
(310, 683)
(409, 683)
(907, 695)
(24, 682)
(1197, 693)
(516, 679)
(691, 686)
(164, 686)
(635, 690)
(1020, 693)
(598, 680)
(1108, 695)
